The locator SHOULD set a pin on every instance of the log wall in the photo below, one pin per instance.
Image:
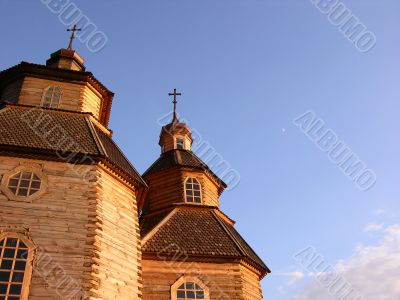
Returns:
(168, 187)
(86, 232)
(10, 93)
(226, 281)
(223, 280)
(76, 96)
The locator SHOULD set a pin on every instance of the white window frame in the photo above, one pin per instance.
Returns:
(201, 192)
(37, 170)
(184, 279)
(29, 261)
(46, 90)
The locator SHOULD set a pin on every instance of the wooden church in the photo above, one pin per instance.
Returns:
(77, 221)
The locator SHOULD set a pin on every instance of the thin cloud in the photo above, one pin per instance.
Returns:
(373, 227)
(293, 277)
(373, 271)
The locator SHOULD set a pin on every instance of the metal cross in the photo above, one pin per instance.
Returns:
(175, 94)
(73, 30)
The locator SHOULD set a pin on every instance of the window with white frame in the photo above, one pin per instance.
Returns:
(51, 97)
(16, 255)
(192, 190)
(189, 288)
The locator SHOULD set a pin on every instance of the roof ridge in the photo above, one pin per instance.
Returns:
(149, 168)
(156, 228)
(127, 160)
(244, 252)
(178, 157)
(96, 138)
(221, 222)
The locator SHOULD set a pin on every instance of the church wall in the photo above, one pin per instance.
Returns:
(165, 189)
(210, 194)
(57, 222)
(251, 284)
(223, 280)
(85, 228)
(117, 269)
(75, 96)
(91, 101)
(33, 88)
(168, 141)
(11, 92)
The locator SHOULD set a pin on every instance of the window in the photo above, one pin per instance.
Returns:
(192, 190)
(189, 288)
(51, 97)
(15, 267)
(180, 143)
(24, 183)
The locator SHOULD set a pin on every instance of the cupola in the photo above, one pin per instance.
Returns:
(67, 58)
(175, 135)
(62, 84)
(178, 176)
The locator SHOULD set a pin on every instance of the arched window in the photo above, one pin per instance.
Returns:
(189, 288)
(192, 190)
(16, 254)
(51, 97)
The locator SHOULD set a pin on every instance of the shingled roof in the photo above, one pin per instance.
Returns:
(195, 231)
(56, 134)
(182, 158)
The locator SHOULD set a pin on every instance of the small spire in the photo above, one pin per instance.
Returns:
(71, 39)
(175, 94)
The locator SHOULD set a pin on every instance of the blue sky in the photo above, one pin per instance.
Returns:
(246, 70)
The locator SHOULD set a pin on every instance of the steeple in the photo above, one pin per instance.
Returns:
(71, 39)
(62, 83)
(175, 117)
(182, 223)
(67, 58)
(175, 135)
(178, 172)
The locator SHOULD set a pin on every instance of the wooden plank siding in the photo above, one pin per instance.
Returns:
(251, 284)
(168, 187)
(223, 280)
(76, 96)
(117, 269)
(11, 91)
(226, 281)
(86, 233)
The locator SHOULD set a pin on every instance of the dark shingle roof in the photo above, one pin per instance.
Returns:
(57, 133)
(147, 224)
(198, 232)
(183, 158)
